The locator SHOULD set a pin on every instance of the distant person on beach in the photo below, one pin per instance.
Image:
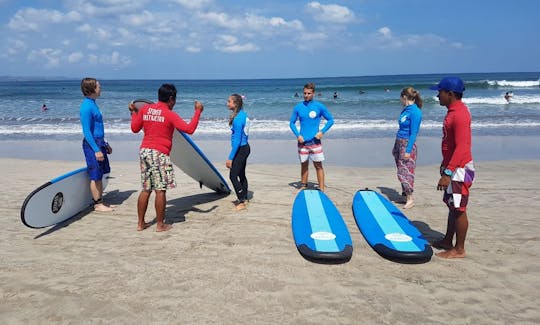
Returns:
(405, 150)
(457, 168)
(508, 96)
(240, 150)
(44, 108)
(95, 148)
(309, 113)
(158, 121)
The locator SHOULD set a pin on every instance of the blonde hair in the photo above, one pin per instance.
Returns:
(238, 104)
(412, 94)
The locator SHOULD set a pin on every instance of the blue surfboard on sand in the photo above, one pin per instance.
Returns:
(387, 230)
(318, 229)
(59, 199)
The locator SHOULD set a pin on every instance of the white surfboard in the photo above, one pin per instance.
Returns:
(58, 200)
(187, 156)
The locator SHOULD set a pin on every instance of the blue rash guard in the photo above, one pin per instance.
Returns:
(409, 125)
(92, 122)
(240, 132)
(309, 114)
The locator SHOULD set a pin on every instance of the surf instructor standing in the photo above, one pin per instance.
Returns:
(95, 147)
(309, 113)
(157, 174)
(457, 168)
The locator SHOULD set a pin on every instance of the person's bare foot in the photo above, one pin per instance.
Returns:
(164, 227)
(409, 204)
(240, 206)
(440, 244)
(143, 226)
(100, 207)
(452, 253)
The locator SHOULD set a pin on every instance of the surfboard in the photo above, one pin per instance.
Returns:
(58, 200)
(187, 156)
(318, 229)
(387, 230)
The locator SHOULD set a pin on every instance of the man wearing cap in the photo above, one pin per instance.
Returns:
(457, 168)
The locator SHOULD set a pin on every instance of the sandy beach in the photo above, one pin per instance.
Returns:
(217, 266)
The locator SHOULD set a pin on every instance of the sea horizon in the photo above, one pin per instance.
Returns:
(365, 107)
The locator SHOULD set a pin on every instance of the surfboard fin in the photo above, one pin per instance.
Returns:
(200, 185)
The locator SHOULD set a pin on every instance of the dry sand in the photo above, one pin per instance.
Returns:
(217, 266)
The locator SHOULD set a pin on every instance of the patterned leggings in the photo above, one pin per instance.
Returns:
(405, 167)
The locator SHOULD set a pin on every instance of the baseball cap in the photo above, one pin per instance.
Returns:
(454, 84)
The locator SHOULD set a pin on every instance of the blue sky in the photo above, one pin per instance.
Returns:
(218, 39)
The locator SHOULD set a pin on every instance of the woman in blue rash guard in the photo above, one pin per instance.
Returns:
(404, 150)
(239, 123)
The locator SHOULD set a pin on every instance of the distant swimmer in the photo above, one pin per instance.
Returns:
(335, 94)
(361, 92)
(508, 96)
(296, 94)
(44, 108)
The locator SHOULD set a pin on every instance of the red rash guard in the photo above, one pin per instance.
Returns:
(456, 141)
(159, 122)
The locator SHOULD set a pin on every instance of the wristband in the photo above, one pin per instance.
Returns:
(448, 172)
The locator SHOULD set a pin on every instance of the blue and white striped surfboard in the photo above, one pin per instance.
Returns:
(387, 230)
(59, 199)
(318, 229)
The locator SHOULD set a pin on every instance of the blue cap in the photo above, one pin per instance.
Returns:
(454, 84)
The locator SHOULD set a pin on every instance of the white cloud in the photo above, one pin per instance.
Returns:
(193, 49)
(75, 57)
(251, 23)
(229, 44)
(102, 8)
(385, 32)
(115, 59)
(384, 39)
(30, 19)
(140, 19)
(193, 4)
(47, 56)
(330, 13)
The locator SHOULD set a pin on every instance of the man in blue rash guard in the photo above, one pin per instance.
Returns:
(309, 113)
(95, 147)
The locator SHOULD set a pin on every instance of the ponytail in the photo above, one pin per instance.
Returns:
(412, 94)
(238, 104)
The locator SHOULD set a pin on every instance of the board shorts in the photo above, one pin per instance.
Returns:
(311, 149)
(96, 169)
(456, 195)
(157, 171)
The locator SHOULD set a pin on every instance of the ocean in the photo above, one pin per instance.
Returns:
(365, 107)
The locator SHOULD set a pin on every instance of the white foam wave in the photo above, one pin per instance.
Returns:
(499, 100)
(220, 128)
(517, 84)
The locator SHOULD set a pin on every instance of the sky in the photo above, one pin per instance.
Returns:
(241, 39)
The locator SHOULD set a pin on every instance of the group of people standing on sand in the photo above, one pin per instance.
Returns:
(158, 121)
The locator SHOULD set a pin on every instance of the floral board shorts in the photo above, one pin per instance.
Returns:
(157, 172)
(456, 195)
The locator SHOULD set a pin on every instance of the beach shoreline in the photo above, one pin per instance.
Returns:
(354, 152)
(220, 266)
